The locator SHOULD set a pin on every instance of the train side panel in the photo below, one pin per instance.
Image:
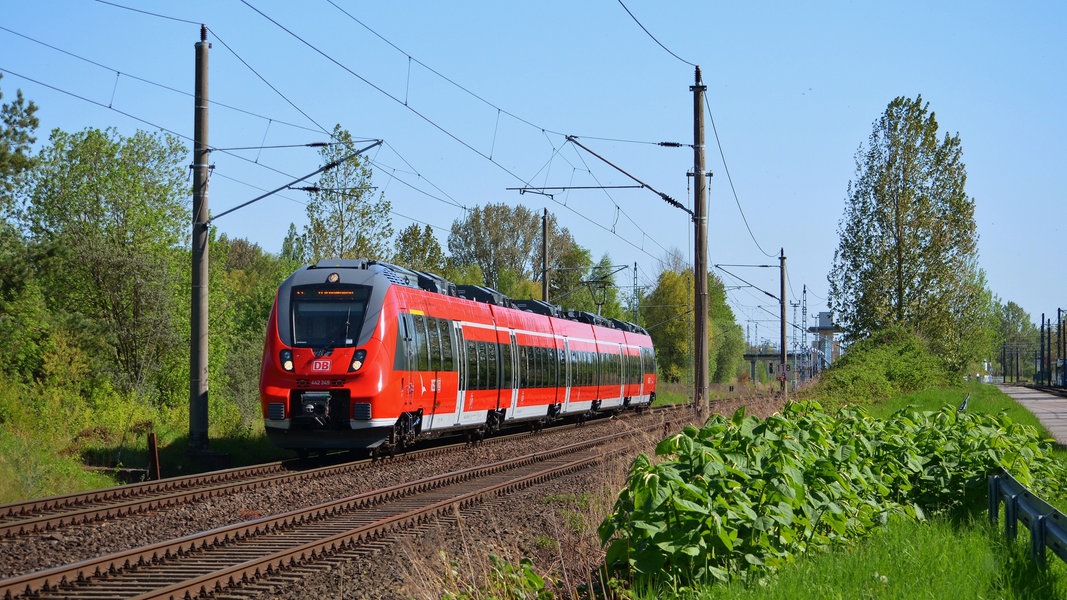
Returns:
(356, 355)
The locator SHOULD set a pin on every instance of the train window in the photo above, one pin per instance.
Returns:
(328, 316)
(472, 365)
(445, 329)
(422, 348)
(533, 370)
(531, 366)
(433, 336)
(542, 367)
(400, 360)
(492, 355)
(546, 368)
(507, 379)
(483, 366)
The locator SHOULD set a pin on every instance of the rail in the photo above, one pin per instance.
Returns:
(1048, 526)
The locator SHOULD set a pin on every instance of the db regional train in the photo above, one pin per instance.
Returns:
(365, 355)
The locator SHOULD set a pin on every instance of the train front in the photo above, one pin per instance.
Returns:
(324, 365)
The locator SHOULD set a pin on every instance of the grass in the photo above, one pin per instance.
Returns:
(983, 398)
(32, 469)
(907, 560)
(59, 441)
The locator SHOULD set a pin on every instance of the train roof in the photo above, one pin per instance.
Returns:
(430, 282)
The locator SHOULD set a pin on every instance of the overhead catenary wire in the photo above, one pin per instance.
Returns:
(151, 14)
(730, 179)
(110, 106)
(267, 83)
(325, 167)
(640, 244)
(645, 29)
(120, 73)
(499, 109)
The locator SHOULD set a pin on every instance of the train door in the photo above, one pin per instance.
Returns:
(459, 350)
(511, 375)
(620, 369)
(405, 359)
(566, 374)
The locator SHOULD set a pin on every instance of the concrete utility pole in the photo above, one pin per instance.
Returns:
(544, 256)
(785, 385)
(700, 252)
(635, 293)
(198, 369)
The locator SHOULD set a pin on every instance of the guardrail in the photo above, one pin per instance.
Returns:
(1048, 526)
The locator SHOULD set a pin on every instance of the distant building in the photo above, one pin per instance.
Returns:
(826, 347)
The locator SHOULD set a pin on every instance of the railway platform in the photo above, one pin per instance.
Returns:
(1050, 409)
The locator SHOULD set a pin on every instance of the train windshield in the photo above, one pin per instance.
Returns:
(328, 316)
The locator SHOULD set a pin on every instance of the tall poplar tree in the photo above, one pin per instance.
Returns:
(344, 218)
(908, 249)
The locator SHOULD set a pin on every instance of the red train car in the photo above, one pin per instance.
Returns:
(361, 354)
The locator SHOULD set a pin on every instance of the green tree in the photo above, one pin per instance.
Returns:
(667, 313)
(241, 302)
(496, 238)
(294, 246)
(569, 264)
(505, 244)
(668, 316)
(726, 349)
(908, 249)
(1017, 336)
(597, 292)
(418, 248)
(113, 210)
(18, 121)
(344, 220)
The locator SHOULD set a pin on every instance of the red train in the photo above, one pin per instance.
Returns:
(366, 355)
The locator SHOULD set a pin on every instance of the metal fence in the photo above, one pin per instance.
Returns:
(1048, 526)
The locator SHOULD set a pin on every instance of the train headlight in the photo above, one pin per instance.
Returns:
(286, 357)
(357, 360)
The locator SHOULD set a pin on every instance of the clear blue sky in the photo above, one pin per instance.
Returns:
(794, 90)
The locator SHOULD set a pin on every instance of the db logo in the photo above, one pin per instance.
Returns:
(320, 365)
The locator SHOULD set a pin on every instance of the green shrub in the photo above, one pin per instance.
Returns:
(741, 496)
(889, 363)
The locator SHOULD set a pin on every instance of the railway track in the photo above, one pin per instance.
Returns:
(37, 516)
(239, 555)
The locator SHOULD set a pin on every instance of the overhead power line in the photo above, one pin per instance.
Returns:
(645, 29)
(730, 180)
(442, 129)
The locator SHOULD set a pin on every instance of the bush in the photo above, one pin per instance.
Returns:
(887, 364)
(741, 497)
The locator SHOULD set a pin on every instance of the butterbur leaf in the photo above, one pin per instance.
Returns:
(738, 417)
(652, 529)
(726, 537)
(684, 505)
(692, 551)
